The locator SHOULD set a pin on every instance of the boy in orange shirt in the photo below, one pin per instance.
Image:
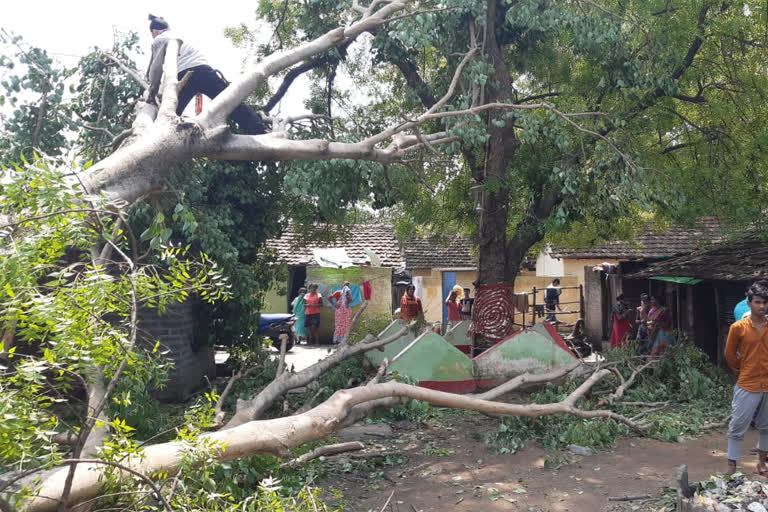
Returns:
(746, 352)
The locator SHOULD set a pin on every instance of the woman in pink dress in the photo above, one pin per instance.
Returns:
(341, 300)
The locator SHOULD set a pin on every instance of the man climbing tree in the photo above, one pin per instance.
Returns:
(196, 75)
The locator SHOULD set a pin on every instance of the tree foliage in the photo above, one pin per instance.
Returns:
(616, 112)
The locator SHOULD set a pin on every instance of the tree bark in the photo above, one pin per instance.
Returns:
(528, 232)
(500, 150)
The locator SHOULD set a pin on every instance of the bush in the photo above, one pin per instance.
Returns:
(698, 391)
(555, 431)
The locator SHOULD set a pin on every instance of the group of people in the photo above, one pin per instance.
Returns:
(307, 307)
(651, 321)
(746, 353)
(458, 309)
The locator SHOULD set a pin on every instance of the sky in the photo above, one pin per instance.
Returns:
(68, 29)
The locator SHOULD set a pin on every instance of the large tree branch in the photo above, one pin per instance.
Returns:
(248, 410)
(299, 70)
(220, 108)
(428, 115)
(278, 436)
(529, 230)
(528, 379)
(219, 413)
(170, 93)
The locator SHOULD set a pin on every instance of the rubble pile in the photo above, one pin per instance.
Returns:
(732, 493)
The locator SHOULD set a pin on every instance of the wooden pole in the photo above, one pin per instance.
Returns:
(581, 302)
(533, 312)
(690, 315)
(720, 348)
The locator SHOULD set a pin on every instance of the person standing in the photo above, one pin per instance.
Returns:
(341, 300)
(299, 311)
(641, 318)
(621, 323)
(410, 305)
(314, 304)
(203, 78)
(660, 334)
(746, 352)
(452, 305)
(466, 305)
(552, 300)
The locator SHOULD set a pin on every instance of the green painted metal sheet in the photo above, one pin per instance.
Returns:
(376, 357)
(457, 335)
(526, 351)
(679, 280)
(430, 358)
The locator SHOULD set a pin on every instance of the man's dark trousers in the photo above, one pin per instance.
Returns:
(208, 81)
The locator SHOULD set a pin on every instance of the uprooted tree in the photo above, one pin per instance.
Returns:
(552, 108)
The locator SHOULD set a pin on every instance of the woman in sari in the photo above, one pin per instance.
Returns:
(341, 300)
(621, 322)
(660, 334)
(299, 310)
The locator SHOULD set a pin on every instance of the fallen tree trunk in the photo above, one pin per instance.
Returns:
(249, 410)
(278, 436)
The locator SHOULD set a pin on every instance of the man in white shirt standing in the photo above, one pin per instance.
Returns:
(204, 78)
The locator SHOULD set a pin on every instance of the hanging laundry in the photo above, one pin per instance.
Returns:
(357, 295)
(367, 290)
(521, 302)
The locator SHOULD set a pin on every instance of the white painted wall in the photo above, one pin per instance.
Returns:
(547, 266)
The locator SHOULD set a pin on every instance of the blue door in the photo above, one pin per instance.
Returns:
(449, 281)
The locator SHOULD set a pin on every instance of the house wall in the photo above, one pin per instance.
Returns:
(575, 267)
(547, 266)
(174, 329)
(275, 301)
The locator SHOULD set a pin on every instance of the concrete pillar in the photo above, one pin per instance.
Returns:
(593, 307)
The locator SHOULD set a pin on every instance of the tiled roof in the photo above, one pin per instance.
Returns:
(295, 246)
(653, 244)
(743, 259)
(452, 252)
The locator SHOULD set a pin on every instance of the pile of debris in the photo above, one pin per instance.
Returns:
(730, 493)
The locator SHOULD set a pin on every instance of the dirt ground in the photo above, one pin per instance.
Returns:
(445, 469)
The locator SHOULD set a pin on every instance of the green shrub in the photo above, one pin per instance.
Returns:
(698, 393)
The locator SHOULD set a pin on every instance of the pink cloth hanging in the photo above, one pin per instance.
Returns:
(367, 290)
